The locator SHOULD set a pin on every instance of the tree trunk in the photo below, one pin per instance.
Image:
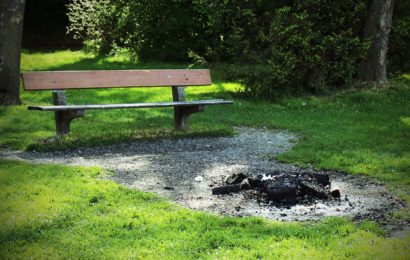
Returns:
(377, 29)
(11, 32)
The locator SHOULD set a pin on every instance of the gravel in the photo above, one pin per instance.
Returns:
(185, 170)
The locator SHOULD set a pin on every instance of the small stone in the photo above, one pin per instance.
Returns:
(198, 178)
(168, 188)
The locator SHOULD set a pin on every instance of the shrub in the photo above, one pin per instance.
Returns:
(218, 30)
(91, 21)
(153, 29)
(291, 46)
(314, 44)
(237, 31)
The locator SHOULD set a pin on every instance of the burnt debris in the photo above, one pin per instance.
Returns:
(280, 186)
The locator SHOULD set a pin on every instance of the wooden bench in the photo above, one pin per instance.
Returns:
(177, 79)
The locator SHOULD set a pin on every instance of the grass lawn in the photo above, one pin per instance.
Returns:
(50, 211)
(69, 212)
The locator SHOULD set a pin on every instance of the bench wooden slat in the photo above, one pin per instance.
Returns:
(133, 105)
(47, 80)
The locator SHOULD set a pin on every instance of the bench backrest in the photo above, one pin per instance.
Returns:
(50, 80)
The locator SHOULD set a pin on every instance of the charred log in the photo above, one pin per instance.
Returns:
(282, 187)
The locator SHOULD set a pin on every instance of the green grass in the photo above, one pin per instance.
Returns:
(51, 211)
(67, 212)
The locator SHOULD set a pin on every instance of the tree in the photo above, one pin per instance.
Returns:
(11, 30)
(377, 29)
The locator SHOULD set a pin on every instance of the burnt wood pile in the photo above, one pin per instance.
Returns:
(280, 186)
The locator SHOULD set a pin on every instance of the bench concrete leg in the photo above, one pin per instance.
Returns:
(181, 115)
(63, 120)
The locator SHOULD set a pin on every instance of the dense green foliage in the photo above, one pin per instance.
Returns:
(290, 46)
(161, 30)
(217, 30)
(311, 45)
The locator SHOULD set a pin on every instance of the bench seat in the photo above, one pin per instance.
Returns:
(133, 105)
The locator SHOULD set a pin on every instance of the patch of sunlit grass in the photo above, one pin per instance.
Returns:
(70, 212)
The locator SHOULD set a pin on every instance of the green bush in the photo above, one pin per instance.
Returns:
(218, 30)
(162, 30)
(313, 45)
(89, 20)
(291, 46)
(154, 29)
(237, 31)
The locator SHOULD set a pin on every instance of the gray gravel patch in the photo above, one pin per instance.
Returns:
(169, 168)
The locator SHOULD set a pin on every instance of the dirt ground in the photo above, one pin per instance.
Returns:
(169, 168)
